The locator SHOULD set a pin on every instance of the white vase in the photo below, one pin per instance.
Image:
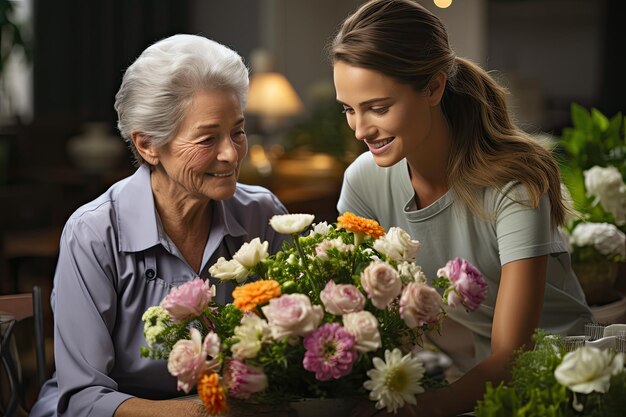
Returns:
(96, 150)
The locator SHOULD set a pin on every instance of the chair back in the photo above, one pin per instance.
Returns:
(18, 307)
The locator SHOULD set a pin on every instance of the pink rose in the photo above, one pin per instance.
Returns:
(188, 359)
(243, 380)
(381, 282)
(189, 299)
(292, 315)
(342, 299)
(468, 285)
(419, 305)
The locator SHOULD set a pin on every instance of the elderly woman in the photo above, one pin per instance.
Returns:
(180, 108)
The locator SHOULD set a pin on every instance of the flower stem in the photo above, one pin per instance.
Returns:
(305, 263)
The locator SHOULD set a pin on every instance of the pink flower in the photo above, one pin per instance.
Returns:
(188, 358)
(342, 299)
(189, 299)
(292, 315)
(468, 285)
(381, 282)
(243, 380)
(322, 249)
(419, 305)
(330, 352)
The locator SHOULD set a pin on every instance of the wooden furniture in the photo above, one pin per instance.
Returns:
(14, 309)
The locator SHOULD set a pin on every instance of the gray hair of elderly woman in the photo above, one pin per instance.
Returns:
(159, 86)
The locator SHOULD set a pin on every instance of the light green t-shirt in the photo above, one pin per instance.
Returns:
(447, 230)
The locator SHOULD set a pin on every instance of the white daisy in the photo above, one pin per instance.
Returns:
(395, 381)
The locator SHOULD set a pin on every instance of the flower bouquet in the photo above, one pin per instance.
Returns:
(334, 314)
(549, 381)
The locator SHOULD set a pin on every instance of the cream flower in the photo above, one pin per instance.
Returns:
(155, 319)
(363, 325)
(410, 272)
(382, 283)
(251, 253)
(228, 270)
(608, 188)
(589, 369)
(251, 334)
(395, 381)
(605, 237)
(290, 224)
(397, 245)
(321, 229)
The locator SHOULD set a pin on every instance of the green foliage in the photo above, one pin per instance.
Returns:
(594, 139)
(324, 130)
(535, 392)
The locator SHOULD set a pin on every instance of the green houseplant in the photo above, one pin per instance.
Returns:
(593, 170)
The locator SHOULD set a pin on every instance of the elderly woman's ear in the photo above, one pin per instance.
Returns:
(145, 148)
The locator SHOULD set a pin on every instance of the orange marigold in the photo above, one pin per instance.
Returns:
(212, 394)
(248, 296)
(357, 224)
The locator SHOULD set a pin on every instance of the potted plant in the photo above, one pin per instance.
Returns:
(593, 171)
(11, 40)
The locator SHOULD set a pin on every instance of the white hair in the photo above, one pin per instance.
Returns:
(160, 84)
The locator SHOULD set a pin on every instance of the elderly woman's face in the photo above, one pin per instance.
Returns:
(204, 157)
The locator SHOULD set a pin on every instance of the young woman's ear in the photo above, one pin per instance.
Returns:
(145, 148)
(436, 87)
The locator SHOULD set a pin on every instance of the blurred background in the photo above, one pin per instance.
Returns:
(59, 146)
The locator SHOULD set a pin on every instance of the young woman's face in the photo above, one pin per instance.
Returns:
(204, 157)
(392, 118)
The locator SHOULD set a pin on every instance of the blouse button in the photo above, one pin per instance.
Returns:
(150, 274)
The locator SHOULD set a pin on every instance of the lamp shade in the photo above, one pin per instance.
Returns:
(271, 95)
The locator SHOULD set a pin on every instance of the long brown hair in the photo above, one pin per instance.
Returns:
(406, 42)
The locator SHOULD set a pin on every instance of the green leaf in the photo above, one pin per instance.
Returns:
(581, 118)
(599, 119)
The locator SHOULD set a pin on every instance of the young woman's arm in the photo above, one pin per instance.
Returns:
(517, 312)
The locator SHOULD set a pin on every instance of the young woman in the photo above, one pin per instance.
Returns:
(447, 164)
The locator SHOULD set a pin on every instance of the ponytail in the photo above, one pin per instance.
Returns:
(489, 150)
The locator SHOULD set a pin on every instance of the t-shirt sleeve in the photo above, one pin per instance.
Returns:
(355, 190)
(524, 231)
(85, 314)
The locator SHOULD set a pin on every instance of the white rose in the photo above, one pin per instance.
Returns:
(251, 253)
(292, 315)
(605, 237)
(381, 282)
(290, 224)
(252, 332)
(364, 327)
(411, 272)
(589, 369)
(608, 188)
(397, 245)
(227, 270)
